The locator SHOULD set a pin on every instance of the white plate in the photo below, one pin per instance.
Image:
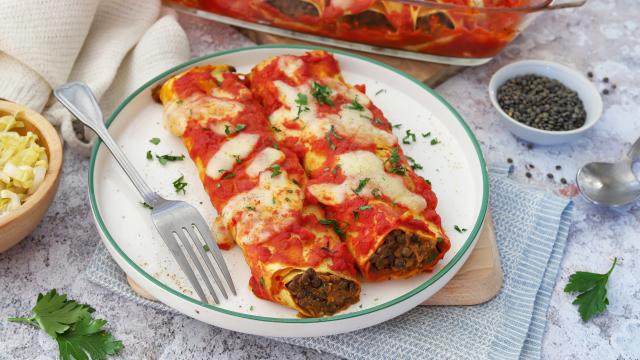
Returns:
(455, 167)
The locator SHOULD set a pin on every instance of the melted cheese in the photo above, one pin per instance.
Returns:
(357, 166)
(354, 124)
(265, 210)
(198, 107)
(224, 159)
(290, 65)
(262, 161)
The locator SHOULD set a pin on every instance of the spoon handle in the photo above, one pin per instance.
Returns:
(634, 152)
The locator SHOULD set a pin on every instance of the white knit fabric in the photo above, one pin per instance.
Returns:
(112, 45)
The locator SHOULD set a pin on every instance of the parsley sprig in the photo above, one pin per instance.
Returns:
(180, 185)
(239, 127)
(414, 164)
(335, 225)
(70, 323)
(302, 102)
(592, 287)
(322, 93)
(409, 137)
(164, 159)
(355, 105)
(330, 133)
(394, 160)
(361, 184)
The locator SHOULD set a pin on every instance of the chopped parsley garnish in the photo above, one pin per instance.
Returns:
(179, 185)
(361, 184)
(206, 248)
(336, 227)
(302, 102)
(275, 170)
(250, 208)
(229, 175)
(145, 205)
(275, 145)
(356, 215)
(322, 93)
(335, 169)
(155, 141)
(365, 207)
(439, 240)
(428, 181)
(381, 91)
(290, 191)
(238, 128)
(355, 105)
(409, 137)
(251, 308)
(377, 121)
(394, 160)
(333, 132)
(238, 159)
(262, 282)
(414, 164)
(459, 229)
(592, 287)
(164, 159)
(276, 129)
(396, 126)
(435, 141)
(180, 102)
(295, 182)
(149, 156)
(425, 135)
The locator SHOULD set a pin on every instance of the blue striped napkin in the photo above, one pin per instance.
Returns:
(531, 228)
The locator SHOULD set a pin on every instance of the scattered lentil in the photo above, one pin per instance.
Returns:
(542, 103)
(605, 91)
(529, 146)
(558, 167)
(590, 74)
(550, 175)
(510, 160)
(528, 174)
(563, 180)
(614, 86)
(605, 79)
(531, 166)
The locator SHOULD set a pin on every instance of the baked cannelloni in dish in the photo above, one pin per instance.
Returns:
(383, 211)
(257, 186)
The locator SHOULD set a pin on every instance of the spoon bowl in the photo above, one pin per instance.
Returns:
(611, 184)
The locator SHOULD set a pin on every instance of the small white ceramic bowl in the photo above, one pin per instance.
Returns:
(569, 77)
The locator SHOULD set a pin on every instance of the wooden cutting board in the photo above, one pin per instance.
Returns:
(478, 281)
(429, 73)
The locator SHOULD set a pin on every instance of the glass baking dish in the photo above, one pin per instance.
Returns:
(457, 32)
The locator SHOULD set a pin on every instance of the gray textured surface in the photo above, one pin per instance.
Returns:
(601, 37)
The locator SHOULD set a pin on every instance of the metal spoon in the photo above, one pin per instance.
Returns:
(611, 184)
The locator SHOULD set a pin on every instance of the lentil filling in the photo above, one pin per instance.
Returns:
(403, 252)
(294, 9)
(322, 294)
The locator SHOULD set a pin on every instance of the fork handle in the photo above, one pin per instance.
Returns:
(78, 98)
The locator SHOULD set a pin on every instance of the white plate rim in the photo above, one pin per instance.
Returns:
(450, 266)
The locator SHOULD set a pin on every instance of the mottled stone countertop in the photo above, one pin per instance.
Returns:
(602, 37)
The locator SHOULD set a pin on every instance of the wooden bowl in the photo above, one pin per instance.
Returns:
(19, 223)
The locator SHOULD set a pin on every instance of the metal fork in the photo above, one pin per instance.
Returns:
(174, 220)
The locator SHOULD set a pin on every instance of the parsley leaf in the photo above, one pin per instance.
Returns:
(179, 184)
(54, 314)
(262, 282)
(424, 135)
(302, 102)
(593, 288)
(229, 175)
(435, 141)
(335, 169)
(336, 227)
(396, 126)
(149, 156)
(206, 248)
(361, 184)
(376, 193)
(238, 128)
(394, 159)
(377, 121)
(381, 91)
(163, 159)
(459, 229)
(355, 105)
(322, 93)
(250, 208)
(237, 158)
(275, 170)
(145, 205)
(78, 336)
(155, 141)
(87, 340)
(332, 131)
(365, 207)
(414, 164)
(409, 137)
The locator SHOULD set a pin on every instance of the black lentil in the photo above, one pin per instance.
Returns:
(528, 174)
(563, 180)
(550, 175)
(529, 146)
(605, 79)
(590, 74)
(605, 91)
(531, 166)
(614, 86)
(558, 167)
(542, 103)
(510, 160)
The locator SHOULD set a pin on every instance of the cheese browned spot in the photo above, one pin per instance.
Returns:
(359, 165)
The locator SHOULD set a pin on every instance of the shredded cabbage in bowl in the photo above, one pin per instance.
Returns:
(23, 164)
